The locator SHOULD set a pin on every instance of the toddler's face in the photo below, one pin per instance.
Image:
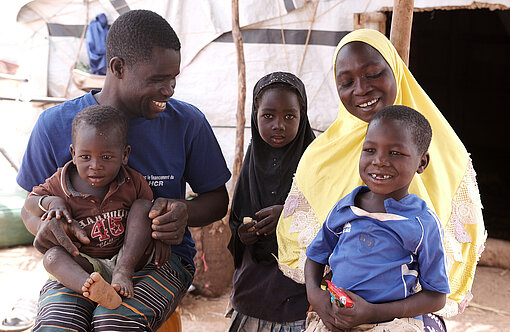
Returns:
(389, 159)
(98, 155)
(278, 117)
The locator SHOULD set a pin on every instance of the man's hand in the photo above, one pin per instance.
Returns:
(54, 232)
(268, 219)
(169, 220)
(162, 253)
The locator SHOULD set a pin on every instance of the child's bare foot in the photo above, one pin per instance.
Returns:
(98, 290)
(122, 281)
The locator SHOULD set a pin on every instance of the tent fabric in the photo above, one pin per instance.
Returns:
(281, 35)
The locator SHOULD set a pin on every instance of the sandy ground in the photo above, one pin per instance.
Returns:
(22, 274)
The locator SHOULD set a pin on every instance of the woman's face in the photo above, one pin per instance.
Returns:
(365, 81)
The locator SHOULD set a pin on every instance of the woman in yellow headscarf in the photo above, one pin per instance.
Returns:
(328, 169)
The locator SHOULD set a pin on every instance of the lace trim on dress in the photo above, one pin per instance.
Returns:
(466, 210)
(304, 222)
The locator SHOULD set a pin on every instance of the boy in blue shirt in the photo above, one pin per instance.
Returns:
(380, 240)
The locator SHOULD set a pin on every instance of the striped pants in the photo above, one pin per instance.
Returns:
(157, 294)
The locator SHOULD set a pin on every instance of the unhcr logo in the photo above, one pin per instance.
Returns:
(158, 180)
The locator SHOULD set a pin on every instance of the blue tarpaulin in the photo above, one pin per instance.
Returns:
(96, 44)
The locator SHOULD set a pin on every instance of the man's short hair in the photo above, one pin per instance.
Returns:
(102, 117)
(414, 121)
(134, 34)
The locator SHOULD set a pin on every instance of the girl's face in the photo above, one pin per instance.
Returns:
(365, 81)
(389, 159)
(278, 116)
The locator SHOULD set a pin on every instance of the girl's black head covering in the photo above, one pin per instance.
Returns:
(267, 172)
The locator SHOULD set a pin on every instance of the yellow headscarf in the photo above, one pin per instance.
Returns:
(328, 169)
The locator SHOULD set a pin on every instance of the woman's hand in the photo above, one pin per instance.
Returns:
(169, 220)
(268, 219)
(247, 233)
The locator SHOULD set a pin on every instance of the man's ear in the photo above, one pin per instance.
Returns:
(117, 66)
(424, 162)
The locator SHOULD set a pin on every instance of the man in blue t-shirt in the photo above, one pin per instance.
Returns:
(172, 144)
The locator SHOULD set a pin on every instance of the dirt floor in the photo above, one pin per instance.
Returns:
(22, 274)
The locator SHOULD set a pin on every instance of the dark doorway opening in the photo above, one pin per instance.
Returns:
(461, 58)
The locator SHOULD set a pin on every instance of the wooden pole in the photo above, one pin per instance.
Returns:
(241, 92)
(401, 25)
(82, 38)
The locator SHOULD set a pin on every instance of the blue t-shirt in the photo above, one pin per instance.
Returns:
(381, 256)
(178, 146)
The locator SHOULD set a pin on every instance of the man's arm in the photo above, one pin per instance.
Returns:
(31, 222)
(54, 232)
(171, 216)
(208, 207)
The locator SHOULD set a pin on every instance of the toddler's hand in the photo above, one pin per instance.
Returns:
(162, 253)
(57, 208)
(268, 219)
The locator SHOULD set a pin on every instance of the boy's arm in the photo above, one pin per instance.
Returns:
(320, 299)
(363, 312)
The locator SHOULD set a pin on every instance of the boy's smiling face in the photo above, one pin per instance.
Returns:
(390, 158)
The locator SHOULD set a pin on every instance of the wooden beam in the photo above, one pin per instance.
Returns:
(241, 93)
(401, 25)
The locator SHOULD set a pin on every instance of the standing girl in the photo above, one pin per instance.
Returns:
(264, 299)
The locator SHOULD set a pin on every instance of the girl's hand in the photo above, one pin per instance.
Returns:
(268, 219)
(247, 234)
(57, 208)
(162, 252)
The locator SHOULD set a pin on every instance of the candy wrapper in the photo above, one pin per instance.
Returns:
(338, 296)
